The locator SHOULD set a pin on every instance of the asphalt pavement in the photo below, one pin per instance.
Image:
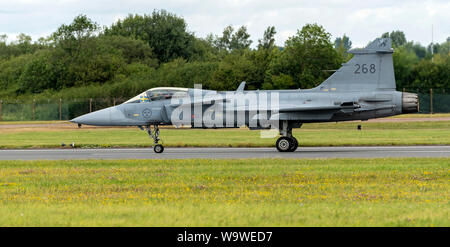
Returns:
(225, 153)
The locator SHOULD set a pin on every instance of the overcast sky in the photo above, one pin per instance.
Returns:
(362, 21)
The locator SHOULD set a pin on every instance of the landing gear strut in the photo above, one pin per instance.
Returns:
(154, 134)
(287, 142)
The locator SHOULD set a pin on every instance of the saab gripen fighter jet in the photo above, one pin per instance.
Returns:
(362, 89)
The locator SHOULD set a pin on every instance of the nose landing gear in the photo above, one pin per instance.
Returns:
(158, 148)
(154, 134)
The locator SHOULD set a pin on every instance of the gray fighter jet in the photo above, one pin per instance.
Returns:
(361, 89)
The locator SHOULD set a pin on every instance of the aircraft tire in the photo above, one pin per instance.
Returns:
(284, 144)
(294, 144)
(158, 148)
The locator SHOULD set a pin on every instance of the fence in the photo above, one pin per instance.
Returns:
(51, 109)
(431, 101)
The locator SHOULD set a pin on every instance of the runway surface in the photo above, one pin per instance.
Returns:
(227, 153)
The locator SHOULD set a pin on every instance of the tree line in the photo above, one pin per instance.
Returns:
(82, 59)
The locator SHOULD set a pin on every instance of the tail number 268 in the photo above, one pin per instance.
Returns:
(364, 69)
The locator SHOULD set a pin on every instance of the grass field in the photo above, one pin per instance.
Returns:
(255, 192)
(323, 134)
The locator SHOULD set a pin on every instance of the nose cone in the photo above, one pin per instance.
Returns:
(100, 118)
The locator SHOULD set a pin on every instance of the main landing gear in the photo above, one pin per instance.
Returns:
(287, 142)
(154, 134)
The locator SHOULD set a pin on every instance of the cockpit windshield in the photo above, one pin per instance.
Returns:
(159, 93)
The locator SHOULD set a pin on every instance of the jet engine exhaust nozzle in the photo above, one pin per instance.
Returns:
(410, 103)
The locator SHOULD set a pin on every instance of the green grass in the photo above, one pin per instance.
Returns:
(248, 192)
(326, 134)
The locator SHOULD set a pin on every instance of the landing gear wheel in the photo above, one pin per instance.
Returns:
(158, 148)
(294, 143)
(154, 134)
(284, 144)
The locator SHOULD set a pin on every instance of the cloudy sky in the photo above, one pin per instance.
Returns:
(362, 21)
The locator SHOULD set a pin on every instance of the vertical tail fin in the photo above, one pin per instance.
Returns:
(370, 69)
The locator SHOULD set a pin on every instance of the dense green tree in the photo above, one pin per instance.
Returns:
(233, 69)
(262, 58)
(432, 49)
(203, 50)
(268, 40)
(166, 34)
(132, 50)
(71, 37)
(306, 55)
(99, 60)
(22, 45)
(404, 62)
(432, 73)
(223, 43)
(10, 71)
(444, 48)
(240, 39)
(231, 40)
(398, 38)
(419, 50)
(3, 46)
(180, 73)
(342, 46)
(343, 43)
(39, 73)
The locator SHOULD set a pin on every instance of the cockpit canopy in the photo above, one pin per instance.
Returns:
(159, 93)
